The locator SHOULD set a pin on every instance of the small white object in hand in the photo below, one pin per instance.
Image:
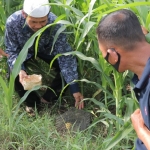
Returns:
(32, 81)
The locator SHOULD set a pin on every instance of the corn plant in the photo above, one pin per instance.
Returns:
(80, 18)
(84, 29)
(8, 90)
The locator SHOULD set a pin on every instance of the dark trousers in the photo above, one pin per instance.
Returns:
(56, 85)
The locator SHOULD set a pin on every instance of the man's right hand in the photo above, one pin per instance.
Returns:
(22, 75)
(142, 131)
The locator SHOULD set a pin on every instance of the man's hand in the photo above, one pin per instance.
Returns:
(142, 131)
(78, 98)
(22, 75)
(2, 53)
(137, 121)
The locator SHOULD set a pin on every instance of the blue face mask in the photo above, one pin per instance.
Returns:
(116, 65)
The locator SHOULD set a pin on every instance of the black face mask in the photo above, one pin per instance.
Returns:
(116, 65)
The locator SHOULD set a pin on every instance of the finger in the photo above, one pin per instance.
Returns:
(20, 80)
(81, 105)
(76, 104)
(135, 115)
(26, 76)
(137, 111)
(4, 54)
(21, 77)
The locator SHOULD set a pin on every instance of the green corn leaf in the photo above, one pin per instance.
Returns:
(131, 105)
(86, 30)
(2, 14)
(148, 21)
(102, 8)
(143, 11)
(26, 94)
(90, 59)
(60, 18)
(111, 116)
(97, 85)
(17, 66)
(77, 32)
(76, 11)
(118, 7)
(22, 55)
(148, 37)
(68, 2)
(61, 29)
(4, 86)
(90, 8)
(124, 131)
(39, 33)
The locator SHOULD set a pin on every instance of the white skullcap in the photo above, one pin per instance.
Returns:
(36, 8)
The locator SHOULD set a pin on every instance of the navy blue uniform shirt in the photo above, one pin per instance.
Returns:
(142, 92)
(17, 33)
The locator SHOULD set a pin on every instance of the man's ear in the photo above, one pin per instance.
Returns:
(112, 55)
(24, 14)
(145, 31)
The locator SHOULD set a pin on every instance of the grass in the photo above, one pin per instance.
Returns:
(40, 133)
(105, 97)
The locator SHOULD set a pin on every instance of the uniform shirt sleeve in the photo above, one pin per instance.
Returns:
(68, 64)
(12, 45)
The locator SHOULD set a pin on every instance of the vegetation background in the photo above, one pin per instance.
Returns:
(106, 93)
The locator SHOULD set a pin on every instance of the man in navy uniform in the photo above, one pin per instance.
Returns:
(20, 26)
(124, 46)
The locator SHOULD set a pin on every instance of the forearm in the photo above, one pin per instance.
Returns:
(144, 136)
(11, 61)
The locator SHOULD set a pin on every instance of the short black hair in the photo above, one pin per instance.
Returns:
(121, 28)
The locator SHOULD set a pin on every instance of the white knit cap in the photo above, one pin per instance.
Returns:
(36, 8)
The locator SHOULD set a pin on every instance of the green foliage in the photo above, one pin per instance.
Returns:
(104, 89)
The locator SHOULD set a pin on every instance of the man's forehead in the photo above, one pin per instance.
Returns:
(37, 19)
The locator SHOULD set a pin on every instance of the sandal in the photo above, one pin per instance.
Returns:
(30, 111)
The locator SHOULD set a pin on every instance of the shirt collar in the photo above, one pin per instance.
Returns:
(145, 76)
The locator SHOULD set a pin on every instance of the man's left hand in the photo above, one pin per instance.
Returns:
(78, 100)
(2, 53)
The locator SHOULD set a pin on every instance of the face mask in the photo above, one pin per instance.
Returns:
(116, 65)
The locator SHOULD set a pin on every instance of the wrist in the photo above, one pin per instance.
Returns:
(22, 71)
(142, 132)
(74, 88)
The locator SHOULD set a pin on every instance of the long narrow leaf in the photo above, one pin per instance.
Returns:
(125, 130)
(90, 59)
(123, 6)
(87, 27)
